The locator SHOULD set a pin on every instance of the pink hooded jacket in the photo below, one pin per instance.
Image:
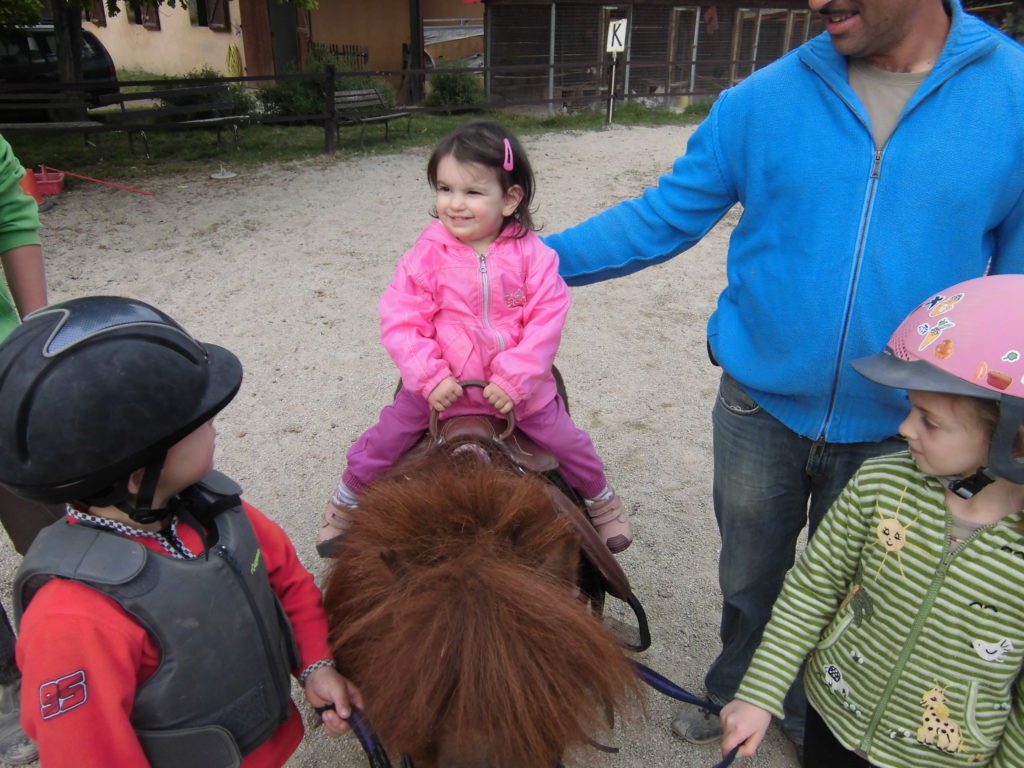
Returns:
(499, 318)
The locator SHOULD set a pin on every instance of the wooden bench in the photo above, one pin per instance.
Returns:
(364, 106)
(157, 112)
(42, 113)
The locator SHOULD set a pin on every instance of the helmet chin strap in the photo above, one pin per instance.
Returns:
(142, 511)
(968, 487)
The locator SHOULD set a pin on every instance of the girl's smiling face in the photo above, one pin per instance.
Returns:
(470, 202)
(946, 434)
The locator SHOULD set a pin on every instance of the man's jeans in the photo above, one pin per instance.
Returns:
(769, 482)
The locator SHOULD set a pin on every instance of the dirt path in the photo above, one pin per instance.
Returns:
(284, 265)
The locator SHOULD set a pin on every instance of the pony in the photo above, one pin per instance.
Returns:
(453, 605)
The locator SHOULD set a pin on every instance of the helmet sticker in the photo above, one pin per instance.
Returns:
(932, 332)
(944, 350)
(998, 379)
(940, 305)
(965, 340)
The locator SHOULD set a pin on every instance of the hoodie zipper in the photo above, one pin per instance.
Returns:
(910, 642)
(862, 237)
(486, 286)
(873, 177)
(872, 186)
(851, 291)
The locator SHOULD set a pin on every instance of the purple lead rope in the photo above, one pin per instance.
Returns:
(663, 685)
(378, 758)
(367, 738)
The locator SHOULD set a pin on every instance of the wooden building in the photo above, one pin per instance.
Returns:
(554, 51)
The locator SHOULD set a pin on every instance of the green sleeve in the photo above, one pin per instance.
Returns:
(19, 213)
(810, 596)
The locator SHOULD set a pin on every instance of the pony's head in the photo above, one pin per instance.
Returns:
(453, 606)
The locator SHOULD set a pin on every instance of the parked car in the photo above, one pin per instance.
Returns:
(29, 55)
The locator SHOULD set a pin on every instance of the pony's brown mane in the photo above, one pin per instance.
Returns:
(452, 608)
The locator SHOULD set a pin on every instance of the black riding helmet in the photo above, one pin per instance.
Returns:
(97, 387)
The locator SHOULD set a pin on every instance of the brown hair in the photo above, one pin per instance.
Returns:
(482, 142)
(987, 413)
(453, 608)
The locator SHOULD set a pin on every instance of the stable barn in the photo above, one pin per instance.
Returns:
(554, 52)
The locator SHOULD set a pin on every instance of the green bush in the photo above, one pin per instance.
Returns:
(306, 97)
(293, 97)
(454, 89)
(242, 102)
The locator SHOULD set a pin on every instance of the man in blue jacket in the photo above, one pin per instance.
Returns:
(875, 164)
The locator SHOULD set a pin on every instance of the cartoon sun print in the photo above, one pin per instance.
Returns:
(892, 535)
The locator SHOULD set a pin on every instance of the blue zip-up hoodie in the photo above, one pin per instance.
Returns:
(837, 242)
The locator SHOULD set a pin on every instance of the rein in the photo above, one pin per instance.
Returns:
(378, 758)
(367, 738)
(662, 684)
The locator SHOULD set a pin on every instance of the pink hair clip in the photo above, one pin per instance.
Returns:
(508, 165)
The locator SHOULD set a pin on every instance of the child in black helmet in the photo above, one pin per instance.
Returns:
(161, 622)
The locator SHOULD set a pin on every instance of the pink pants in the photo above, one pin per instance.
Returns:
(403, 423)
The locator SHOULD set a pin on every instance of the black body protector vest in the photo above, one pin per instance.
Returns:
(226, 646)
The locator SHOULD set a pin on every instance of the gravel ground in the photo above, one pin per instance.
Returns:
(284, 265)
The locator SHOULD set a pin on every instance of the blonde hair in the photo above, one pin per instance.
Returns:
(987, 413)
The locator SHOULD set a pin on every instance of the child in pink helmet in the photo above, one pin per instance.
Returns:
(906, 605)
(478, 297)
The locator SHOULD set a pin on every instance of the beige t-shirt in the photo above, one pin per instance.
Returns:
(962, 530)
(884, 93)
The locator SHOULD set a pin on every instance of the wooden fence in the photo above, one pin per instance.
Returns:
(587, 91)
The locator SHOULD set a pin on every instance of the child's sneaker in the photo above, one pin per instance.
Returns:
(697, 725)
(608, 515)
(337, 521)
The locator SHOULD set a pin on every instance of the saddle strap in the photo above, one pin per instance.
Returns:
(592, 545)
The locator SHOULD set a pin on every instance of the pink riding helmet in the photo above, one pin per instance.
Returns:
(965, 340)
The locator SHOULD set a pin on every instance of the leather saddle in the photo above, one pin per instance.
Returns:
(497, 434)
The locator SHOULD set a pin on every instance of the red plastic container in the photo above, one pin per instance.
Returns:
(49, 182)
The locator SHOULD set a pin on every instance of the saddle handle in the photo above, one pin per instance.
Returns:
(510, 417)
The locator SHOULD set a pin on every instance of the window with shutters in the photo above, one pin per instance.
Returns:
(150, 16)
(95, 13)
(147, 16)
(210, 13)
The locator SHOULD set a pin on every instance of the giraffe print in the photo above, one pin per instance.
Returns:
(937, 730)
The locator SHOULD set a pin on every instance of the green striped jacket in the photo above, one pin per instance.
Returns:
(913, 653)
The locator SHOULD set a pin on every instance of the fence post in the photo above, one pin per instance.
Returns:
(331, 123)
(611, 89)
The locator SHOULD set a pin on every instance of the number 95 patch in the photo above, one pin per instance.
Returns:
(62, 695)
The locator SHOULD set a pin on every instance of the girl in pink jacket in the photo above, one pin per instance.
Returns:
(477, 297)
